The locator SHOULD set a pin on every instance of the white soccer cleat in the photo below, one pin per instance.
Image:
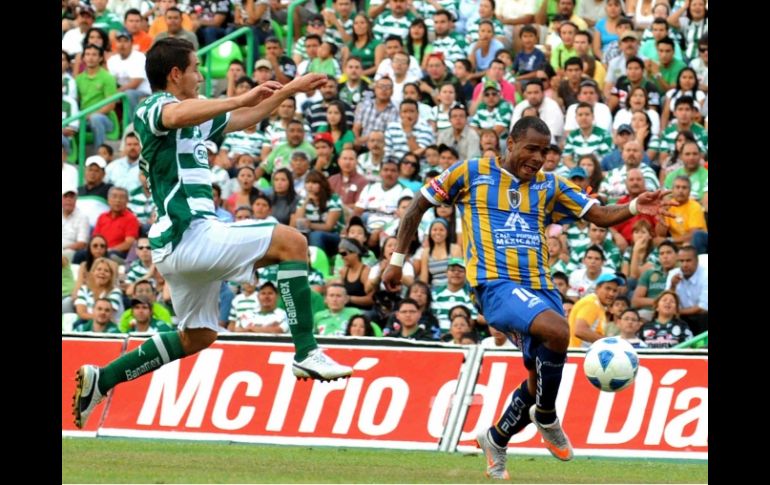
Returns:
(554, 437)
(318, 365)
(496, 456)
(87, 395)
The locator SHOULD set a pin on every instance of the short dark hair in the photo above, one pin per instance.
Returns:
(669, 243)
(690, 248)
(529, 122)
(587, 34)
(637, 60)
(394, 37)
(625, 21)
(530, 29)
(165, 55)
(238, 62)
(560, 275)
(131, 11)
(313, 36)
(535, 81)
(684, 100)
(573, 61)
(666, 40)
(597, 249)
(448, 14)
(466, 64)
(583, 104)
(458, 106)
(407, 301)
(246, 79)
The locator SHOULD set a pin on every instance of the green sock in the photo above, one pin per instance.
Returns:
(295, 291)
(158, 350)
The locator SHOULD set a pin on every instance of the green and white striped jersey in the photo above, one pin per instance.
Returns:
(598, 143)
(244, 143)
(176, 165)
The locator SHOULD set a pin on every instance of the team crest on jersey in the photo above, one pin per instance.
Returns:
(201, 155)
(514, 197)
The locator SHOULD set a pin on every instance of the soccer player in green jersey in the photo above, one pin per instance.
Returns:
(193, 250)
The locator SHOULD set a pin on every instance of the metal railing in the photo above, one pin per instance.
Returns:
(82, 129)
(205, 51)
(700, 340)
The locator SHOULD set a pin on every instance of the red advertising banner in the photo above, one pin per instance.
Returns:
(245, 391)
(663, 414)
(74, 353)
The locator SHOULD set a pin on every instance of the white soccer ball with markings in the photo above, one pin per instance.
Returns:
(611, 364)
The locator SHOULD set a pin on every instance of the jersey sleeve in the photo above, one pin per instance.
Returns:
(214, 129)
(571, 202)
(151, 114)
(446, 188)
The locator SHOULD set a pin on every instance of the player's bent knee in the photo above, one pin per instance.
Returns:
(290, 244)
(196, 339)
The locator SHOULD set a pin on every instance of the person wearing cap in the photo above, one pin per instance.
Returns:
(511, 203)
(143, 321)
(588, 317)
(455, 292)
(95, 186)
(146, 289)
(614, 159)
(578, 176)
(191, 248)
(459, 134)
(325, 160)
(72, 40)
(128, 69)
(629, 47)
(587, 138)
(95, 84)
(74, 224)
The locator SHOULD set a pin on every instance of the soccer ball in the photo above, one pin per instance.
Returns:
(611, 364)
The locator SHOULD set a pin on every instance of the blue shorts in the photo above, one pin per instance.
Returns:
(511, 307)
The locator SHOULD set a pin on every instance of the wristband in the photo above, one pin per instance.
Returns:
(397, 259)
(632, 208)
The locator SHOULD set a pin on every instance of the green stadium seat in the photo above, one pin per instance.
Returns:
(320, 261)
(221, 57)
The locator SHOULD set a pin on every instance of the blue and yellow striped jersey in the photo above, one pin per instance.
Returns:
(504, 220)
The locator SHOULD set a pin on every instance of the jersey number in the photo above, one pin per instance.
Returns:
(523, 294)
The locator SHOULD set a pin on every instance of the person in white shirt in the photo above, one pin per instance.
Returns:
(589, 93)
(691, 283)
(548, 110)
(128, 69)
(74, 224)
(124, 171)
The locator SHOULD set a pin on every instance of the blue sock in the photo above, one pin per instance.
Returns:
(515, 417)
(549, 365)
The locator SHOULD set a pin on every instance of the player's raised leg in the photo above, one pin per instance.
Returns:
(552, 330)
(288, 248)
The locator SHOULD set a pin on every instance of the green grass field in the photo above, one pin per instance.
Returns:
(159, 461)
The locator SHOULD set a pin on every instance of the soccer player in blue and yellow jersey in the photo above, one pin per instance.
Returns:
(505, 208)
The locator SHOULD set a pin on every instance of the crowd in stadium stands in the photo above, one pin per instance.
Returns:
(413, 86)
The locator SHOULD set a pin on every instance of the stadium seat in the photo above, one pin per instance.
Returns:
(221, 57)
(377, 330)
(320, 261)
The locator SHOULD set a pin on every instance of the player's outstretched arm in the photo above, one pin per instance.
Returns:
(650, 203)
(406, 231)
(260, 101)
